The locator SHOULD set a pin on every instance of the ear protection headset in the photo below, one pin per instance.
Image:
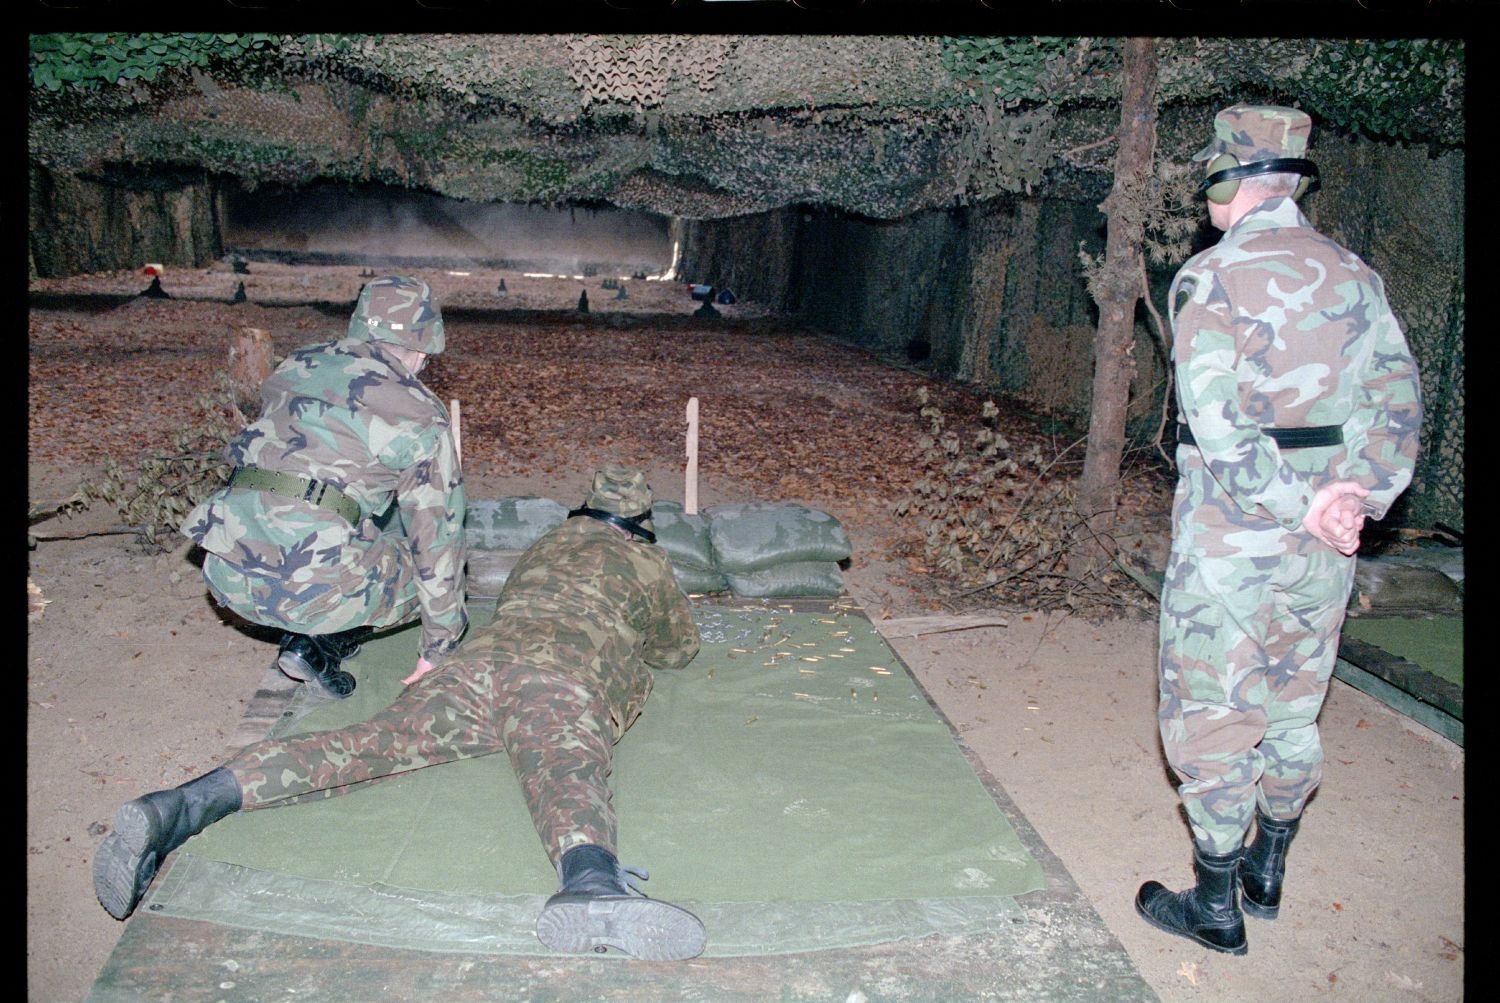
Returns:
(630, 525)
(1225, 172)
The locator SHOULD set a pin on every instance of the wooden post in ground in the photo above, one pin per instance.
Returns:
(690, 489)
(453, 419)
(249, 365)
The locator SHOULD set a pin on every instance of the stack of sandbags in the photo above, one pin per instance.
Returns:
(778, 549)
(755, 549)
(685, 539)
(498, 531)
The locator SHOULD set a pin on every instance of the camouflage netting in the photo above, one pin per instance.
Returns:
(920, 195)
(1401, 209)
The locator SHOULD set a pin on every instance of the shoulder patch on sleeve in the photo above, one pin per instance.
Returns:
(1184, 292)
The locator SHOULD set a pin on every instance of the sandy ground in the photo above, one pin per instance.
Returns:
(135, 682)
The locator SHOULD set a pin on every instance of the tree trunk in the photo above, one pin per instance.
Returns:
(1117, 290)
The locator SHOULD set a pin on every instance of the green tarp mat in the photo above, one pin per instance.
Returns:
(1435, 643)
(792, 786)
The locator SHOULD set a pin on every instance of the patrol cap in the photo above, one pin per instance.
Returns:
(398, 310)
(1253, 133)
(622, 491)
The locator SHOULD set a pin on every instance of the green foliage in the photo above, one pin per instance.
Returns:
(1388, 88)
(1010, 70)
(1406, 88)
(164, 486)
(87, 61)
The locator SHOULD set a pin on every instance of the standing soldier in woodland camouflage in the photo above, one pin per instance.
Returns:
(345, 509)
(1300, 410)
(555, 680)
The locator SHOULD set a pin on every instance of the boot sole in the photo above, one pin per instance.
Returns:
(640, 927)
(1241, 948)
(1252, 908)
(122, 868)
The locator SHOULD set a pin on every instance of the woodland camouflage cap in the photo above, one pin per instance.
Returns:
(620, 490)
(1253, 133)
(398, 310)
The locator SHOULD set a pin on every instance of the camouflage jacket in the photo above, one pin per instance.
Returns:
(1279, 326)
(351, 414)
(585, 601)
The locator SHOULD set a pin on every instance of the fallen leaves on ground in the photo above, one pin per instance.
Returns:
(788, 414)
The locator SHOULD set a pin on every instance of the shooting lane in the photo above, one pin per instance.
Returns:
(795, 786)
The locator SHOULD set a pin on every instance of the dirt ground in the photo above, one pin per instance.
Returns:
(135, 682)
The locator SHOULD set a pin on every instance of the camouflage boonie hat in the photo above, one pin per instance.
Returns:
(398, 310)
(622, 491)
(1253, 133)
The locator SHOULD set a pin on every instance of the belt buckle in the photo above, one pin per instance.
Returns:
(314, 492)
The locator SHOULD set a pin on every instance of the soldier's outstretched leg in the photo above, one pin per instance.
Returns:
(152, 826)
(1264, 865)
(1208, 913)
(599, 907)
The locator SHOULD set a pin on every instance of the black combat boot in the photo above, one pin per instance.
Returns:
(313, 660)
(1265, 864)
(346, 643)
(1208, 913)
(152, 826)
(598, 907)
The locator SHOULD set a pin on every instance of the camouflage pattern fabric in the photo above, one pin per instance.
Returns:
(587, 602)
(554, 680)
(398, 310)
(351, 414)
(1252, 133)
(1275, 326)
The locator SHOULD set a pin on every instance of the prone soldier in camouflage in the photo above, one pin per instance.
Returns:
(1300, 409)
(588, 613)
(345, 510)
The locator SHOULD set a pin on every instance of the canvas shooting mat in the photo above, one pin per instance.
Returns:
(792, 786)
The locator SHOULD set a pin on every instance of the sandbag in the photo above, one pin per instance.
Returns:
(697, 581)
(753, 536)
(487, 571)
(784, 581)
(684, 537)
(510, 523)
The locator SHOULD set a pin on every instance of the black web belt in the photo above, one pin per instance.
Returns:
(1287, 438)
(319, 493)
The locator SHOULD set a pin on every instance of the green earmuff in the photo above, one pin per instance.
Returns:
(1222, 180)
(1222, 192)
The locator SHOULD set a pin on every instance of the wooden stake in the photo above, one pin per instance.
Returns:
(690, 489)
(453, 419)
(249, 365)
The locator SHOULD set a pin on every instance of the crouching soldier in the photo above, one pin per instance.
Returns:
(589, 611)
(345, 510)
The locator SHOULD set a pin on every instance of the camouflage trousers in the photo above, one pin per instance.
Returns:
(368, 583)
(556, 730)
(1248, 645)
